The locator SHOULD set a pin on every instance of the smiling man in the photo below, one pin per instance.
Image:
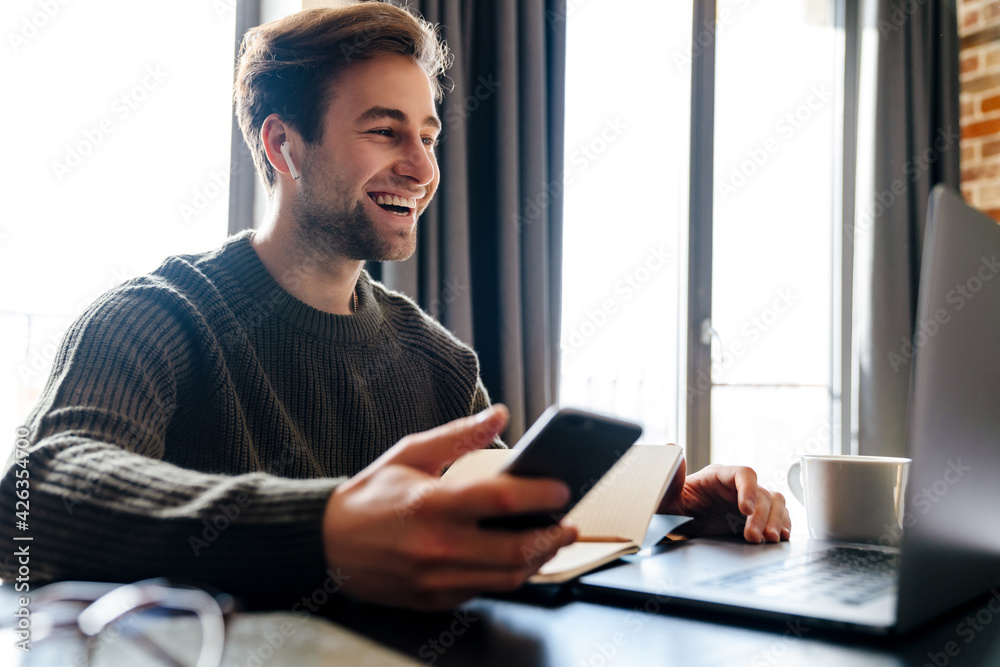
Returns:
(362, 186)
(266, 417)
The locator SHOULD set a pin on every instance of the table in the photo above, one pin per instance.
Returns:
(552, 626)
(567, 632)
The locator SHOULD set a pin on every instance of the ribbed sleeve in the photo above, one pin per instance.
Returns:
(197, 420)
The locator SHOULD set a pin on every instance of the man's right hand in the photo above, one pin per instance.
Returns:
(402, 536)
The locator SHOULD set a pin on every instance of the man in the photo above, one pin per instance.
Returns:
(267, 418)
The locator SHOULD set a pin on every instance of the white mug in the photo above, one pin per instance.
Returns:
(851, 498)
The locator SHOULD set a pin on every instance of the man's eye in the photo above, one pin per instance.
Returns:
(431, 141)
(381, 132)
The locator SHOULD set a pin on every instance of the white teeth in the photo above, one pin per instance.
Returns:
(395, 200)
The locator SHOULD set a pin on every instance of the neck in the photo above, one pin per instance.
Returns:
(323, 282)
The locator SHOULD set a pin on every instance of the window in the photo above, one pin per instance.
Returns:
(778, 101)
(624, 247)
(777, 110)
(118, 156)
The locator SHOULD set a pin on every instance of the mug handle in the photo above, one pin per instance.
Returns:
(795, 482)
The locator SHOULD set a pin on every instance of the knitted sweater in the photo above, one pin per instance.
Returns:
(197, 420)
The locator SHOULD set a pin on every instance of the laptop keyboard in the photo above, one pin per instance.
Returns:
(848, 575)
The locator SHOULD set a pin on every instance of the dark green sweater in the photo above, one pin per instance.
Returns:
(197, 420)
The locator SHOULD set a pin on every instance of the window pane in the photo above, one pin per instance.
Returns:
(120, 157)
(774, 191)
(627, 143)
(777, 113)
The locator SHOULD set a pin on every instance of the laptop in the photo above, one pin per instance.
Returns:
(950, 550)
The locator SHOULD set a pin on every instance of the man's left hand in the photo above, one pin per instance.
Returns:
(726, 500)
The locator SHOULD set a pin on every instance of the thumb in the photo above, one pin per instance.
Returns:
(432, 450)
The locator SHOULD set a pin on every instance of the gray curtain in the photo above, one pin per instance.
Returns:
(488, 251)
(916, 147)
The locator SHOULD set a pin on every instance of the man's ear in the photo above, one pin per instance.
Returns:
(273, 133)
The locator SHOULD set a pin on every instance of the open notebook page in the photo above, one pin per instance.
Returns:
(620, 504)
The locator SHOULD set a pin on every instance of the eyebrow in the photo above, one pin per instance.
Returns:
(378, 113)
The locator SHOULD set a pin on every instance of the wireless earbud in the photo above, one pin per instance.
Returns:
(288, 160)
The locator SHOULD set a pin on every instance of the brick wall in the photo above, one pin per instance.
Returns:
(979, 28)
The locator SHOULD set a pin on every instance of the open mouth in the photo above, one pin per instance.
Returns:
(401, 206)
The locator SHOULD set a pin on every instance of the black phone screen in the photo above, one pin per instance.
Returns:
(573, 446)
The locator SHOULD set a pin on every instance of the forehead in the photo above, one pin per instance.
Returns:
(391, 82)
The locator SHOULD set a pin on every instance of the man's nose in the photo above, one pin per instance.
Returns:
(417, 163)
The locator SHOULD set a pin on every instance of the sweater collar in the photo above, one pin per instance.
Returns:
(243, 262)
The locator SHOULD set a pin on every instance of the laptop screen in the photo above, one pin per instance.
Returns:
(951, 545)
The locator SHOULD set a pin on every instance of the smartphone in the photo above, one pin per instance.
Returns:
(573, 446)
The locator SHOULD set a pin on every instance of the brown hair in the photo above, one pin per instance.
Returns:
(287, 66)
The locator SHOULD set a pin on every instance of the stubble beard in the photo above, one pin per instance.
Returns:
(330, 225)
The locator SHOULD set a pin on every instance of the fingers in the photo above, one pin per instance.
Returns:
(779, 524)
(504, 494)
(433, 554)
(444, 588)
(752, 501)
(432, 450)
(745, 480)
(766, 515)
(769, 520)
(485, 551)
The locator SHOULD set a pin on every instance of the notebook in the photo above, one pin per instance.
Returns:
(950, 551)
